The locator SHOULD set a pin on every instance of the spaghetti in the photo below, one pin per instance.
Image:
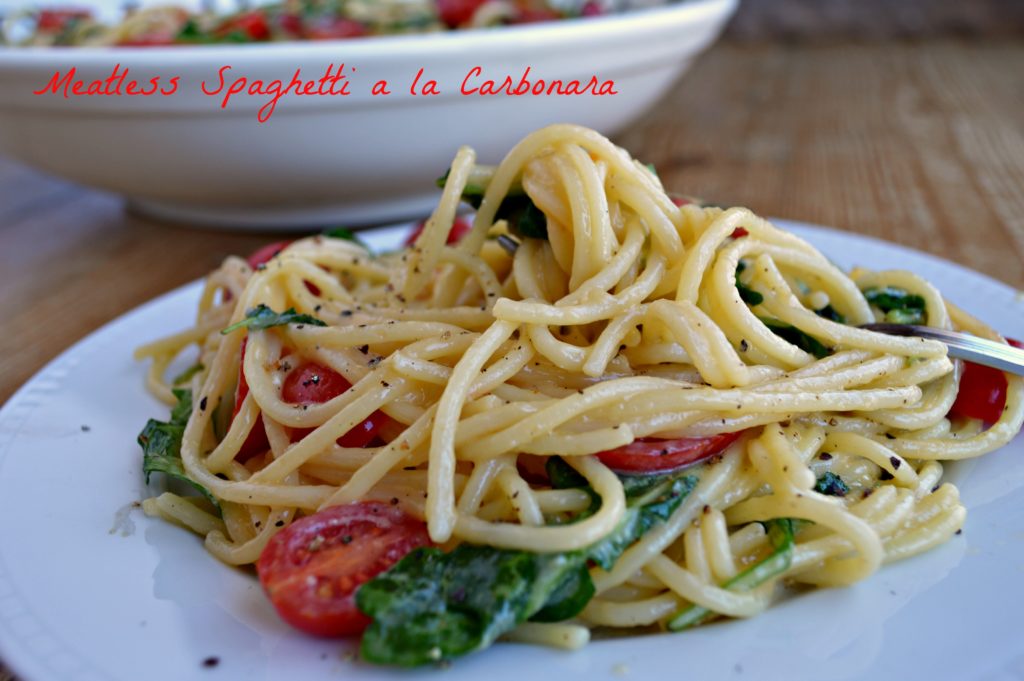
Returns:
(627, 321)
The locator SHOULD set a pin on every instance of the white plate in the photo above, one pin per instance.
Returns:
(80, 602)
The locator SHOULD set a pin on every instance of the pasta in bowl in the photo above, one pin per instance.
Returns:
(292, 134)
(643, 413)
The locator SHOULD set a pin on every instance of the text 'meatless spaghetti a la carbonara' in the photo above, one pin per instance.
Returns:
(644, 414)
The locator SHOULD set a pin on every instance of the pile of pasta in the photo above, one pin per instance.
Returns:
(625, 322)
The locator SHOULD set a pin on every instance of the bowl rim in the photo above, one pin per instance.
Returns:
(446, 43)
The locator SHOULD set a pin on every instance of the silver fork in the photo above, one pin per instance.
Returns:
(962, 345)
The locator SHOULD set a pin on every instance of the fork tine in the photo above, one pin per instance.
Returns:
(962, 345)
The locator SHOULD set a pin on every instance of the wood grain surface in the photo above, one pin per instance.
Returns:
(919, 141)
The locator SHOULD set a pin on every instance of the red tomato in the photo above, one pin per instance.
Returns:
(533, 16)
(311, 569)
(256, 442)
(333, 28)
(252, 25)
(739, 233)
(56, 20)
(457, 12)
(650, 455)
(312, 383)
(261, 256)
(680, 200)
(591, 9)
(460, 228)
(982, 391)
(291, 25)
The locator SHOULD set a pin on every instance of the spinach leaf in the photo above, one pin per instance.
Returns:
(187, 374)
(473, 192)
(830, 313)
(831, 484)
(562, 475)
(569, 598)
(262, 317)
(780, 534)
(899, 306)
(805, 342)
(434, 606)
(346, 234)
(161, 445)
(645, 511)
(523, 217)
(191, 33)
(747, 294)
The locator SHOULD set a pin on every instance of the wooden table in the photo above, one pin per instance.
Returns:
(917, 141)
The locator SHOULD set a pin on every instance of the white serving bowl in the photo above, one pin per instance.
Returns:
(321, 160)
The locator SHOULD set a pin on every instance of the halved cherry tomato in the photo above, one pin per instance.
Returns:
(263, 255)
(256, 442)
(311, 569)
(56, 20)
(290, 25)
(982, 392)
(650, 455)
(251, 25)
(333, 28)
(260, 256)
(457, 12)
(460, 228)
(311, 383)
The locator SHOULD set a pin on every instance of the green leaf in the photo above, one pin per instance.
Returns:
(262, 317)
(523, 217)
(187, 374)
(905, 316)
(793, 335)
(191, 33)
(899, 306)
(747, 294)
(562, 475)
(569, 598)
(182, 411)
(830, 313)
(655, 506)
(638, 487)
(161, 445)
(780, 534)
(434, 606)
(346, 234)
(831, 484)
